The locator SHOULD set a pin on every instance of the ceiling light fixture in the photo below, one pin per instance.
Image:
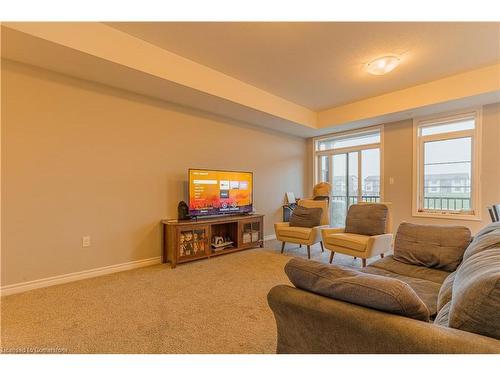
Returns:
(382, 65)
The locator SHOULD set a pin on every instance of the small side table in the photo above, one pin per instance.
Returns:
(287, 212)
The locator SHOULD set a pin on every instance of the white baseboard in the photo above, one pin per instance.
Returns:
(270, 237)
(61, 279)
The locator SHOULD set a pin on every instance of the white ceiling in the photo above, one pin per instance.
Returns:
(320, 65)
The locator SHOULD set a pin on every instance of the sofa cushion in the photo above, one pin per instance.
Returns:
(443, 316)
(388, 263)
(475, 304)
(432, 246)
(306, 217)
(426, 290)
(483, 241)
(349, 285)
(367, 219)
(295, 232)
(446, 291)
(350, 240)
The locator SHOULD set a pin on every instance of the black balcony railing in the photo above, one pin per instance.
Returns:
(352, 199)
(447, 203)
(430, 203)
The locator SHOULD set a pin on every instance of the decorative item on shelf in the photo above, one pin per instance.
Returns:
(221, 243)
(192, 242)
(217, 240)
(247, 237)
(199, 240)
(186, 243)
(183, 211)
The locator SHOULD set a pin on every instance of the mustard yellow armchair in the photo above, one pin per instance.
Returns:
(304, 236)
(359, 245)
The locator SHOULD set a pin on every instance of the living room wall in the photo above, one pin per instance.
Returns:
(80, 158)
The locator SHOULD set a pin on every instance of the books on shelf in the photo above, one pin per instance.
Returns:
(222, 246)
(250, 236)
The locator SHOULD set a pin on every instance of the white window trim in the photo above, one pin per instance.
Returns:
(370, 129)
(476, 162)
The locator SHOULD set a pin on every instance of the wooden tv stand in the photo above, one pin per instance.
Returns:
(187, 240)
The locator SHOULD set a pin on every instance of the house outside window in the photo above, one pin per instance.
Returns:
(433, 186)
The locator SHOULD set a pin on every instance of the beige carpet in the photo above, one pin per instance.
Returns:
(210, 306)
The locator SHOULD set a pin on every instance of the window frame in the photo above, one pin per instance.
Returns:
(345, 134)
(418, 161)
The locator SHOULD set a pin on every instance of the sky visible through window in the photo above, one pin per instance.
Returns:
(452, 155)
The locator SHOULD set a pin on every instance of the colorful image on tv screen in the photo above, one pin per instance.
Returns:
(219, 192)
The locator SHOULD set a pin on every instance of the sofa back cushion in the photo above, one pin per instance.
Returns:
(432, 246)
(349, 285)
(446, 290)
(323, 204)
(475, 303)
(306, 217)
(487, 238)
(368, 219)
(443, 316)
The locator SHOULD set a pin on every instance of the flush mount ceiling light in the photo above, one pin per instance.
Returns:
(382, 65)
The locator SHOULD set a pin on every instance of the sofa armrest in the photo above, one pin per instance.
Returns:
(315, 235)
(281, 224)
(309, 323)
(379, 244)
(325, 232)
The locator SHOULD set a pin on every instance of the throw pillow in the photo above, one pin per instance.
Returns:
(432, 246)
(306, 217)
(367, 219)
(348, 285)
(475, 304)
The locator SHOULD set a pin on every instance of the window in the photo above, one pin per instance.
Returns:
(350, 162)
(336, 142)
(446, 165)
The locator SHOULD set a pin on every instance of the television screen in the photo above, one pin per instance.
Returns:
(214, 192)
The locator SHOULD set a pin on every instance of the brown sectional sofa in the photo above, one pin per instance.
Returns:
(464, 304)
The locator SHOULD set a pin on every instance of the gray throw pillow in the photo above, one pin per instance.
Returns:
(367, 219)
(306, 217)
(345, 284)
(475, 304)
(432, 246)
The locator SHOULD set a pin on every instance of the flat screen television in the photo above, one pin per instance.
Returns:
(215, 192)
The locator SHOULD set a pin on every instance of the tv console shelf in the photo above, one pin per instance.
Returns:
(187, 240)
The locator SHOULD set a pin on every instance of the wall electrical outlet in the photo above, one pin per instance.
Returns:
(85, 241)
(391, 180)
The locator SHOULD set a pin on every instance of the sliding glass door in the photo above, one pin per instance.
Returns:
(353, 171)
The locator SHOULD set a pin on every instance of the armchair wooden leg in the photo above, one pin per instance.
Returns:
(364, 262)
(382, 255)
(355, 258)
(331, 256)
(308, 252)
(282, 247)
(322, 248)
(300, 245)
